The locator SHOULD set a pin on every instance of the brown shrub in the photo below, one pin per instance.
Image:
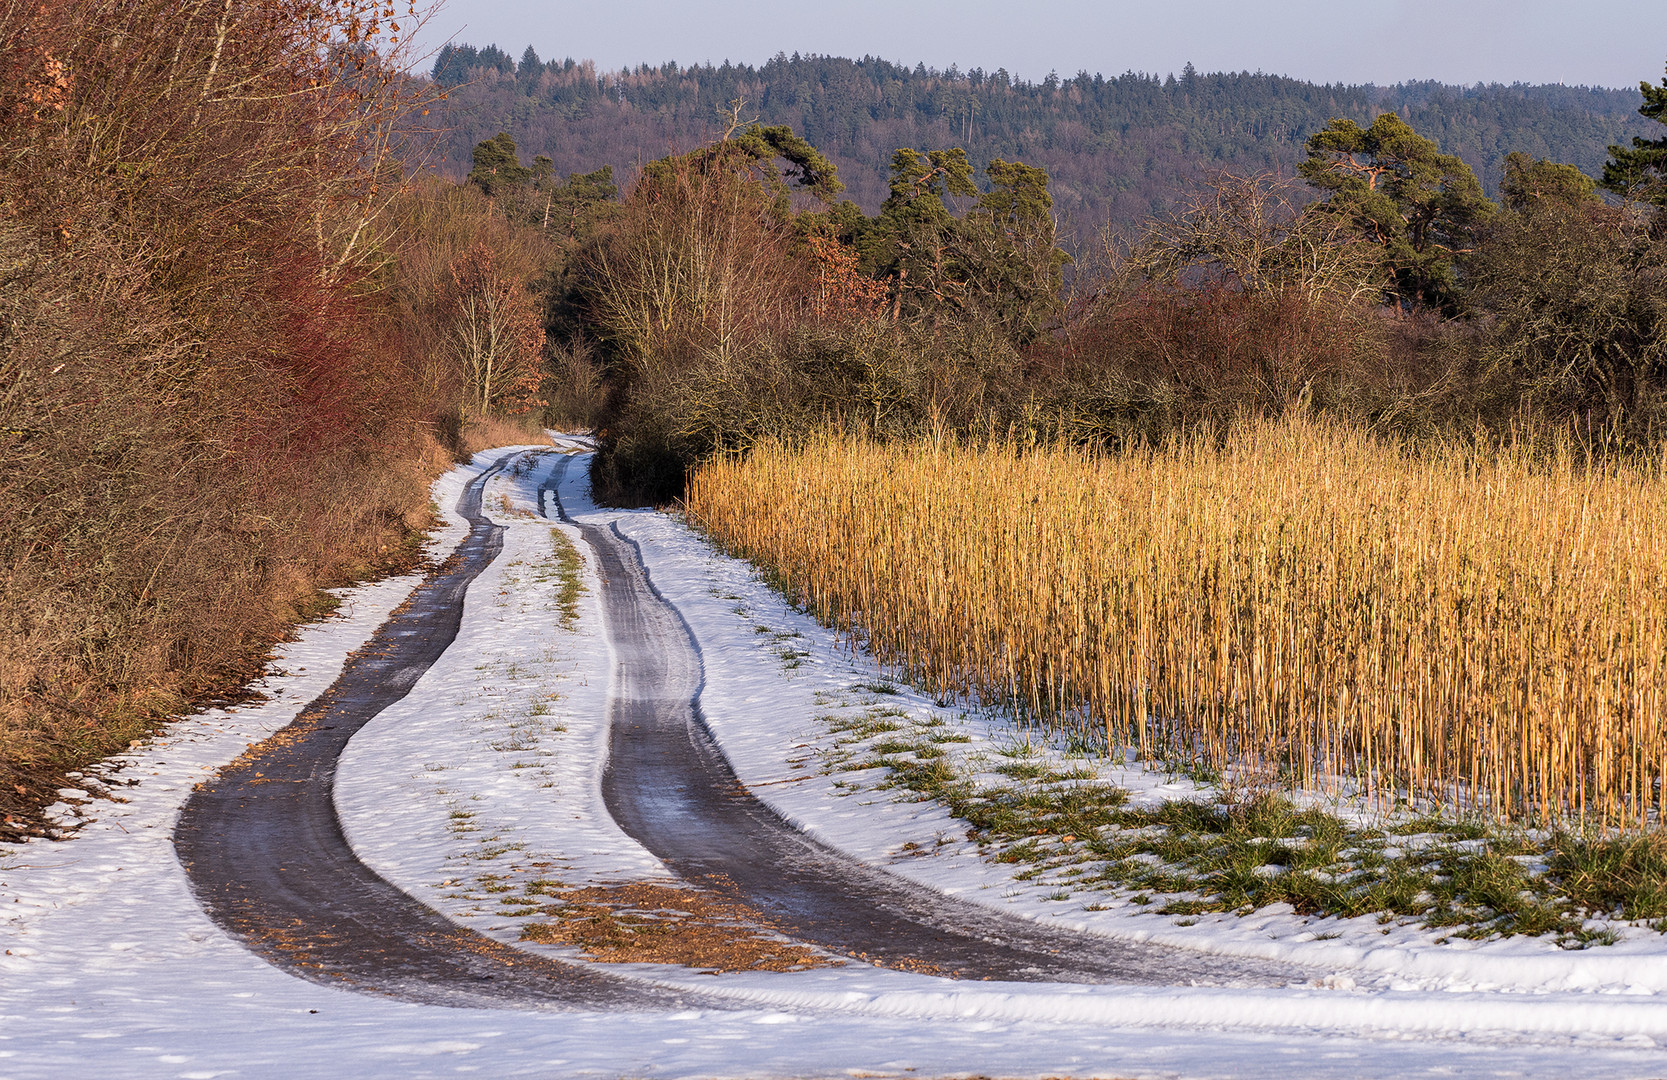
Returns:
(158, 536)
(1159, 358)
(204, 403)
(435, 224)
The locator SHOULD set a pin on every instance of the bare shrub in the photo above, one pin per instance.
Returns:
(574, 387)
(495, 337)
(695, 266)
(1576, 294)
(1260, 234)
(204, 414)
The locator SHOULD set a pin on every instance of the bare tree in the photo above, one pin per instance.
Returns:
(495, 335)
(696, 266)
(1257, 233)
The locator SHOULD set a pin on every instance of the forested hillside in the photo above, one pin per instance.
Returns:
(1114, 148)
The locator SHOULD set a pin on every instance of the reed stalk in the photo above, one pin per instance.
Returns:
(1476, 630)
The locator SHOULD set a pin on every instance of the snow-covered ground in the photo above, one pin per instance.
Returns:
(484, 781)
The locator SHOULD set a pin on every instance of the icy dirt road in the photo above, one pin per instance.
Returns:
(265, 853)
(487, 778)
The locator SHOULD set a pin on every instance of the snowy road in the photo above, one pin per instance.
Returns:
(265, 853)
(485, 784)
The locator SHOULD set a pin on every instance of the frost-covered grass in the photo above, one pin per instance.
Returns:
(1242, 849)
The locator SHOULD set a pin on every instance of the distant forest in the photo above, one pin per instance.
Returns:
(1118, 150)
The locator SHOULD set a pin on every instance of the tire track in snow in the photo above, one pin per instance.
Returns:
(670, 788)
(266, 856)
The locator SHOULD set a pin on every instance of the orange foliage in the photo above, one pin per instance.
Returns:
(842, 291)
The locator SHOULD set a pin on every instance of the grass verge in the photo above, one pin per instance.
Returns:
(1064, 826)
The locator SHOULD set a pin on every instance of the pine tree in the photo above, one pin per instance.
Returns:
(1641, 170)
(908, 243)
(1530, 183)
(1397, 188)
(1008, 251)
(496, 165)
(528, 70)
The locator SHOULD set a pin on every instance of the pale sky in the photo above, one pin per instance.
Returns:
(1591, 42)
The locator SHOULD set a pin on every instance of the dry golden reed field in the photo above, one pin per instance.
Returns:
(1450, 628)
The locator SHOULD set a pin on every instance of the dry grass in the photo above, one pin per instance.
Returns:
(1466, 629)
(647, 923)
(489, 432)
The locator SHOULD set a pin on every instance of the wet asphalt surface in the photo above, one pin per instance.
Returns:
(266, 856)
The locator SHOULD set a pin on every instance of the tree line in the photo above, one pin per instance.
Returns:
(1117, 148)
(733, 292)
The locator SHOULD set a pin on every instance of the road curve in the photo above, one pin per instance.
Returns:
(670, 788)
(266, 857)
